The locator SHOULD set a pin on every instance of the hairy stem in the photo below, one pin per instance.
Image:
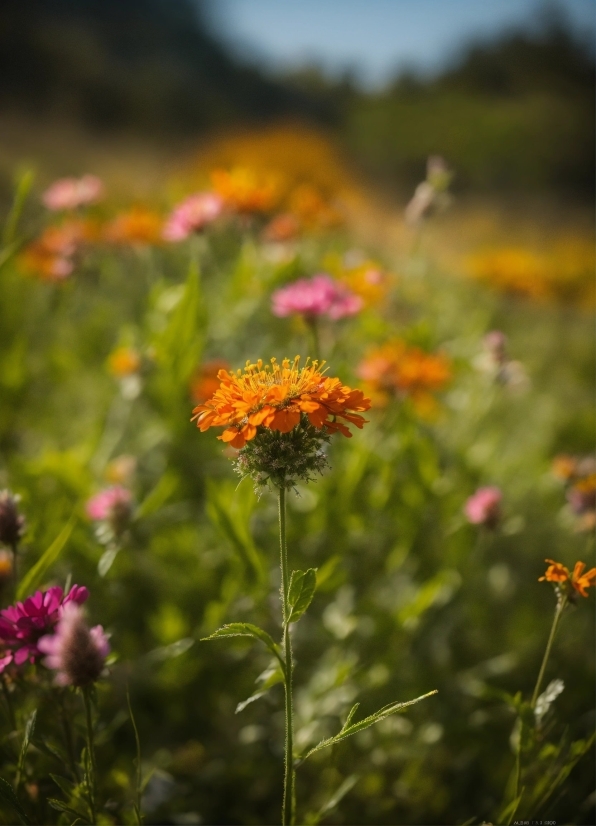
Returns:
(92, 770)
(288, 808)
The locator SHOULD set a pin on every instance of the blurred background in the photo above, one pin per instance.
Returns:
(331, 109)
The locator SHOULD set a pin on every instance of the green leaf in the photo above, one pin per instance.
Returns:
(178, 349)
(67, 787)
(62, 807)
(270, 677)
(246, 629)
(35, 575)
(29, 729)
(158, 495)
(8, 796)
(351, 713)
(301, 591)
(314, 818)
(349, 730)
(22, 191)
(230, 510)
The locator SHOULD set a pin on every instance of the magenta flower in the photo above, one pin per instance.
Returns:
(22, 625)
(484, 506)
(192, 215)
(75, 651)
(71, 193)
(319, 295)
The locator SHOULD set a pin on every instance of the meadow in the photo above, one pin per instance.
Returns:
(428, 529)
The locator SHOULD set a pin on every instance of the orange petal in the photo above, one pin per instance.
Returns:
(285, 420)
(233, 436)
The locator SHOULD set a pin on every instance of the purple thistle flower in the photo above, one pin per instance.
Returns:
(75, 651)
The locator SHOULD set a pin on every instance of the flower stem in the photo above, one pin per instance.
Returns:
(561, 603)
(289, 799)
(15, 575)
(91, 767)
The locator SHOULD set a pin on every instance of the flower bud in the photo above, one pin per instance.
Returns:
(12, 523)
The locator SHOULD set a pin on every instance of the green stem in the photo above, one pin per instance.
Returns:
(92, 773)
(138, 784)
(289, 800)
(560, 608)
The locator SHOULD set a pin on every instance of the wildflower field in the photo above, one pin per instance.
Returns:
(244, 364)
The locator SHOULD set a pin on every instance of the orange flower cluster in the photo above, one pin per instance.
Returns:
(396, 368)
(138, 227)
(564, 272)
(275, 397)
(51, 257)
(578, 581)
(579, 475)
(244, 190)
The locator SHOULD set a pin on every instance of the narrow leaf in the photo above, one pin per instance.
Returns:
(67, 787)
(22, 191)
(158, 495)
(382, 714)
(269, 678)
(301, 591)
(351, 713)
(8, 796)
(35, 575)
(62, 807)
(106, 561)
(246, 629)
(29, 729)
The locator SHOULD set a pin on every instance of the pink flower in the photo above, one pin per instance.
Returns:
(484, 506)
(102, 505)
(70, 193)
(22, 625)
(192, 215)
(76, 651)
(319, 295)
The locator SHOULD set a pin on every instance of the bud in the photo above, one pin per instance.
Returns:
(283, 459)
(112, 505)
(76, 651)
(12, 523)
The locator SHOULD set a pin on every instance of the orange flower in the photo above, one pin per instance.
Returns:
(124, 361)
(205, 382)
(396, 368)
(138, 226)
(284, 227)
(51, 256)
(245, 191)
(276, 397)
(556, 572)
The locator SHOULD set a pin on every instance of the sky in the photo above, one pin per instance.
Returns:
(374, 37)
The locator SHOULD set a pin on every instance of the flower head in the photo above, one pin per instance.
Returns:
(571, 584)
(192, 215)
(124, 361)
(138, 227)
(262, 404)
(12, 522)
(52, 256)
(484, 506)
(246, 191)
(76, 651)
(316, 296)
(112, 505)
(397, 369)
(71, 193)
(22, 625)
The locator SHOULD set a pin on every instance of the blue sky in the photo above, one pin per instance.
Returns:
(375, 37)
